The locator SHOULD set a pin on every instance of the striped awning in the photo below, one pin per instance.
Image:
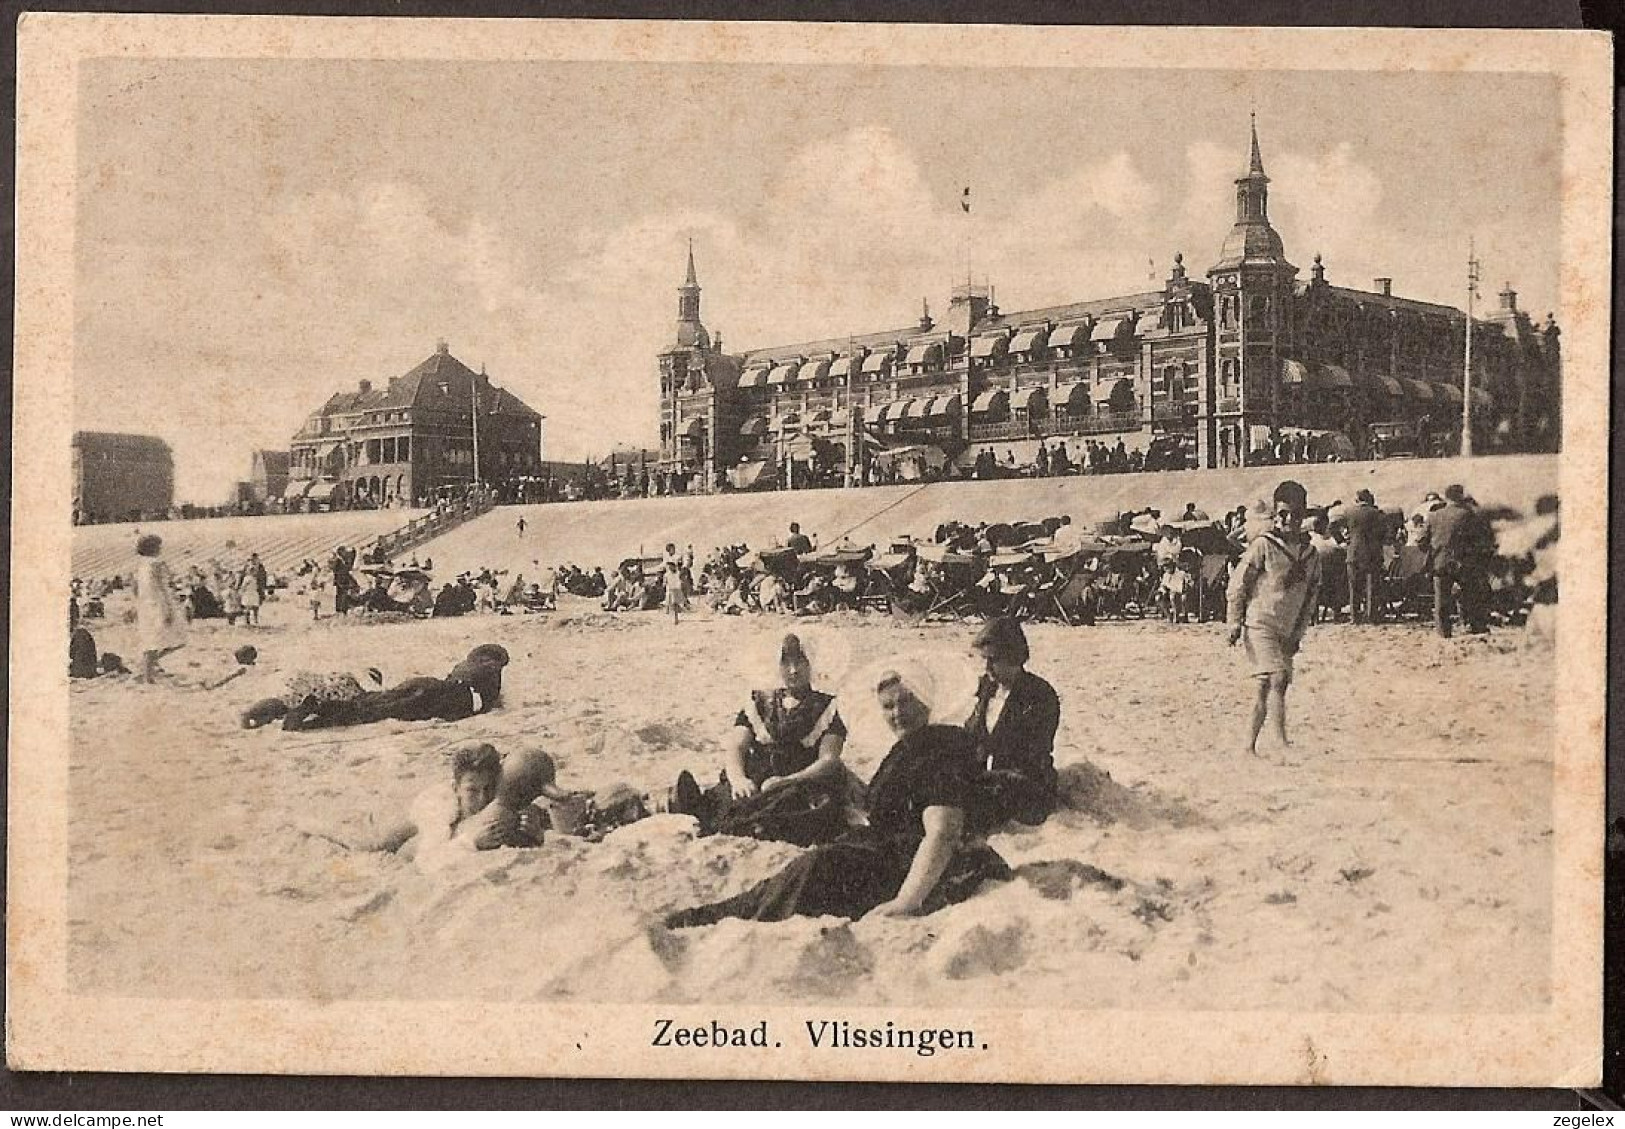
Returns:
(924, 354)
(1068, 336)
(879, 360)
(783, 374)
(844, 366)
(875, 413)
(296, 489)
(755, 425)
(1448, 391)
(1106, 329)
(1392, 386)
(1074, 396)
(897, 409)
(1336, 376)
(991, 402)
(1420, 389)
(1028, 340)
(1294, 372)
(813, 370)
(1147, 322)
(914, 409)
(1029, 398)
(988, 345)
(321, 491)
(753, 377)
(940, 407)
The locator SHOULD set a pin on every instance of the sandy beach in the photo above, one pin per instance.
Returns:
(1397, 859)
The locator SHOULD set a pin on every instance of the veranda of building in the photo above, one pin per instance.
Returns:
(1218, 366)
(405, 442)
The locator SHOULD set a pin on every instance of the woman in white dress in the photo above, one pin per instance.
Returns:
(159, 625)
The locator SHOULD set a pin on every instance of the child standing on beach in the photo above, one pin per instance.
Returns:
(1271, 601)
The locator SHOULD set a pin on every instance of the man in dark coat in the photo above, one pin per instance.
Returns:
(798, 542)
(1368, 533)
(1459, 543)
(1013, 723)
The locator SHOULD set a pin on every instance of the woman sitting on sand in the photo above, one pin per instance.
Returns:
(474, 686)
(785, 779)
(910, 859)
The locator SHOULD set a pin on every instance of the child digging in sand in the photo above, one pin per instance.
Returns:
(490, 804)
(1271, 600)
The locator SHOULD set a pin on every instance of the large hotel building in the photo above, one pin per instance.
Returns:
(1210, 368)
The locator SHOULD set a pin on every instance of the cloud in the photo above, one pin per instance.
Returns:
(850, 233)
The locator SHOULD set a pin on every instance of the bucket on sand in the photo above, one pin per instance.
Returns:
(569, 815)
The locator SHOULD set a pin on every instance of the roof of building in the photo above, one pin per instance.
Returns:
(1394, 302)
(440, 382)
(274, 462)
(149, 443)
(883, 339)
(1124, 304)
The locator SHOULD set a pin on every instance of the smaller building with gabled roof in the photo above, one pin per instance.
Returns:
(439, 426)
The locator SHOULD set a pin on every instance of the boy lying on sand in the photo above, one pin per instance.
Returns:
(490, 804)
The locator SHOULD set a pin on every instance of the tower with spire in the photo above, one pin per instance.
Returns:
(695, 421)
(691, 333)
(1252, 285)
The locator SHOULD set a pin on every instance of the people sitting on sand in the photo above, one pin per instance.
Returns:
(84, 662)
(1013, 725)
(910, 858)
(783, 773)
(474, 686)
(456, 599)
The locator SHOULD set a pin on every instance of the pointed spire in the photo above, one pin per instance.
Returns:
(1255, 165)
(693, 280)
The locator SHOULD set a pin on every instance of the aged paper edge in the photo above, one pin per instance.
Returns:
(50, 1028)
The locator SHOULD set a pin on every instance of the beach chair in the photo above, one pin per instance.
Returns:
(888, 575)
(953, 582)
(1408, 586)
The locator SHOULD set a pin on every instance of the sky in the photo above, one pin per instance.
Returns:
(253, 235)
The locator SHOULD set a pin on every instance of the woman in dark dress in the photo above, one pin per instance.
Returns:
(785, 779)
(910, 859)
(472, 687)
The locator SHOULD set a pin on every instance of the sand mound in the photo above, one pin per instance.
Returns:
(1178, 874)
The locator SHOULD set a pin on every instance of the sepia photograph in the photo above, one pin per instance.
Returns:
(718, 550)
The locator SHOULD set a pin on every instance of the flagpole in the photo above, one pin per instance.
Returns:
(1467, 370)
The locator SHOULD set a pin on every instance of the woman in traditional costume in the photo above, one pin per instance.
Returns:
(910, 858)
